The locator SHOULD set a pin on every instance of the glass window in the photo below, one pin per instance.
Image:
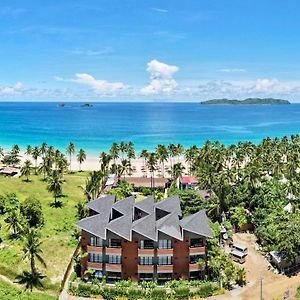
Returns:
(164, 244)
(146, 260)
(195, 258)
(164, 276)
(115, 243)
(96, 241)
(196, 243)
(147, 244)
(98, 274)
(95, 257)
(114, 259)
(146, 276)
(165, 260)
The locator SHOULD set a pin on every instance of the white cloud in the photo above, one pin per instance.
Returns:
(232, 70)
(161, 10)
(97, 84)
(101, 52)
(10, 90)
(161, 78)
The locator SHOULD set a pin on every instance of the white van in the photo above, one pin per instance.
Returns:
(241, 248)
(238, 256)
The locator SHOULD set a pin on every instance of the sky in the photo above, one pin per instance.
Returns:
(133, 50)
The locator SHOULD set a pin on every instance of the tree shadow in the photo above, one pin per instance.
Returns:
(56, 204)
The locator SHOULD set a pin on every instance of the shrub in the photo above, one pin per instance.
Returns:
(206, 289)
(182, 293)
(135, 294)
(108, 294)
(158, 294)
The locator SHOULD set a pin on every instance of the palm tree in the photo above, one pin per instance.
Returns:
(151, 163)
(162, 155)
(81, 157)
(191, 155)
(35, 153)
(55, 186)
(70, 151)
(32, 252)
(123, 149)
(28, 150)
(130, 154)
(124, 168)
(93, 185)
(144, 154)
(26, 169)
(43, 149)
(45, 166)
(172, 153)
(104, 159)
(114, 152)
(13, 221)
(15, 149)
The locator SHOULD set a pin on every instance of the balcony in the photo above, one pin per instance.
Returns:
(145, 268)
(94, 265)
(197, 250)
(94, 249)
(113, 267)
(164, 268)
(146, 252)
(168, 252)
(113, 251)
(195, 267)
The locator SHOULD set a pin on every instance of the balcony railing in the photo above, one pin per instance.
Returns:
(95, 265)
(113, 267)
(165, 251)
(197, 250)
(145, 268)
(145, 252)
(94, 249)
(195, 267)
(113, 251)
(164, 268)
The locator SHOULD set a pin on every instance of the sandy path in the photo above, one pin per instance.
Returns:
(274, 285)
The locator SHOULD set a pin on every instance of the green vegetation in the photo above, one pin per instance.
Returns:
(176, 289)
(11, 292)
(246, 101)
(57, 225)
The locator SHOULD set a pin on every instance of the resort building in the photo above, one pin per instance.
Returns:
(143, 240)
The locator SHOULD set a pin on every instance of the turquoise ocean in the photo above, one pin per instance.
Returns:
(146, 124)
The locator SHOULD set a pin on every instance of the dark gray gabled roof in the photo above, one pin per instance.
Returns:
(170, 226)
(102, 205)
(95, 225)
(146, 205)
(125, 206)
(197, 223)
(161, 217)
(171, 204)
(121, 226)
(146, 226)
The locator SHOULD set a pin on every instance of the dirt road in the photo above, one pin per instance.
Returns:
(274, 286)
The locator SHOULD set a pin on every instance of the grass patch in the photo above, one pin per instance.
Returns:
(10, 292)
(58, 243)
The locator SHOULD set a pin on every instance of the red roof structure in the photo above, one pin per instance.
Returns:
(188, 180)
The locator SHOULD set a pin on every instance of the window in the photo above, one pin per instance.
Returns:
(146, 276)
(196, 243)
(114, 275)
(164, 244)
(164, 276)
(146, 260)
(195, 258)
(98, 274)
(96, 241)
(147, 244)
(165, 260)
(114, 259)
(95, 257)
(114, 243)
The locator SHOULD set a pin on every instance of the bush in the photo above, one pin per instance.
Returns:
(206, 289)
(158, 294)
(135, 294)
(182, 293)
(31, 210)
(108, 294)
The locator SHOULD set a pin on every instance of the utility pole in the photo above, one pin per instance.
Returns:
(261, 290)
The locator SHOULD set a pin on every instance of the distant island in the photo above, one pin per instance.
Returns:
(86, 105)
(246, 101)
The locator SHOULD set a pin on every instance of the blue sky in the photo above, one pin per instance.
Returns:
(149, 50)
